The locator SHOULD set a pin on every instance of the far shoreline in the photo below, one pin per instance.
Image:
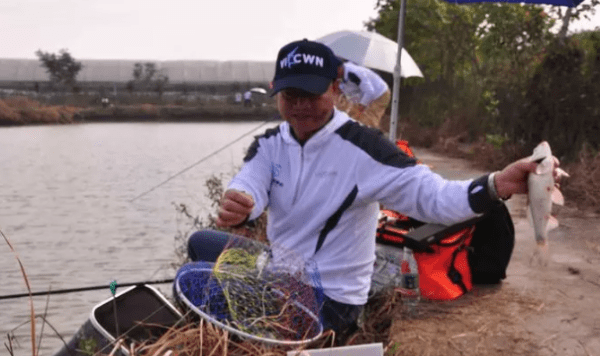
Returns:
(49, 115)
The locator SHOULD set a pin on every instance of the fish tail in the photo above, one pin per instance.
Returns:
(540, 256)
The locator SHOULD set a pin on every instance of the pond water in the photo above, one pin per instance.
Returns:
(66, 205)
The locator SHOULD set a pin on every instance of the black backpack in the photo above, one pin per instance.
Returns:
(492, 246)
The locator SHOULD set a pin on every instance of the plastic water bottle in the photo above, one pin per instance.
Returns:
(411, 294)
(387, 271)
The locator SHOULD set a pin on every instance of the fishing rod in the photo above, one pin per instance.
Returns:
(83, 289)
(200, 161)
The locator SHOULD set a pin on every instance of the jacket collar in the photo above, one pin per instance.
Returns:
(323, 135)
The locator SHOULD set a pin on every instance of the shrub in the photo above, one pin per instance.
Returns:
(7, 113)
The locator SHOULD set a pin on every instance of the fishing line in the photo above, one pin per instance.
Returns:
(200, 161)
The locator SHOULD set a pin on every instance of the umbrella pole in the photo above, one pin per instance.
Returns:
(397, 73)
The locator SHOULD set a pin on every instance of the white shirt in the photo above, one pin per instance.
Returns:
(323, 197)
(362, 85)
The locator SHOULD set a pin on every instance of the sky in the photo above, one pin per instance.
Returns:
(171, 29)
(175, 29)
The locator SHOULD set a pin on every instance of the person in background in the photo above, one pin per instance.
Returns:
(365, 96)
(322, 177)
(238, 98)
(248, 98)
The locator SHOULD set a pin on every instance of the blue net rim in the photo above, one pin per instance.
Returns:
(206, 267)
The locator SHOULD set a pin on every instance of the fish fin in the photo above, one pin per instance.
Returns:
(557, 197)
(562, 173)
(552, 223)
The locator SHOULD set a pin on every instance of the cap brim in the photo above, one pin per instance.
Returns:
(308, 82)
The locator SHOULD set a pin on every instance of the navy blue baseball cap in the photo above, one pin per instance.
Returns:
(306, 65)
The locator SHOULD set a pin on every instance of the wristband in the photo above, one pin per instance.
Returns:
(492, 188)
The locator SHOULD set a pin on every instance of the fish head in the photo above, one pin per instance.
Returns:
(541, 151)
(542, 154)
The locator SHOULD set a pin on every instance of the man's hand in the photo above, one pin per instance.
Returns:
(513, 179)
(234, 209)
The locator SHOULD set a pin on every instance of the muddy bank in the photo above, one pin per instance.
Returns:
(176, 114)
(18, 111)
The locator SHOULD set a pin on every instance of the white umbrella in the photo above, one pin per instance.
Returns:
(258, 90)
(370, 49)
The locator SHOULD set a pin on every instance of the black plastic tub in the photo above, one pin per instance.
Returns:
(143, 314)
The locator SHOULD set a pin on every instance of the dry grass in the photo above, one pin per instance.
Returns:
(21, 111)
(583, 185)
(203, 338)
(8, 113)
(479, 323)
(484, 322)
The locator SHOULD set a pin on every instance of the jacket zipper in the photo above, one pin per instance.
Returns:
(299, 180)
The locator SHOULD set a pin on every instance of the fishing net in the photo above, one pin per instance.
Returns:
(264, 293)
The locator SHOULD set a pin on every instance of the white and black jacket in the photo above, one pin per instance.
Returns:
(323, 197)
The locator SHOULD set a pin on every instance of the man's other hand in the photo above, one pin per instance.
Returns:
(234, 209)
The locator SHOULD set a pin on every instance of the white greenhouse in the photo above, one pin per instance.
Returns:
(199, 72)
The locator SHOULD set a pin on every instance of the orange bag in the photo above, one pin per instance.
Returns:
(444, 270)
(403, 145)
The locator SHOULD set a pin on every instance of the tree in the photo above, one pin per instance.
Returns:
(62, 68)
(471, 50)
(147, 77)
(440, 36)
(572, 13)
(450, 40)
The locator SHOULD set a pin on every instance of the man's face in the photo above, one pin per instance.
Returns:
(306, 112)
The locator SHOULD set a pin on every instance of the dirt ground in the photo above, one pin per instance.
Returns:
(552, 310)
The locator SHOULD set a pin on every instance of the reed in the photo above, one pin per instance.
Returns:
(31, 308)
(22, 111)
(43, 322)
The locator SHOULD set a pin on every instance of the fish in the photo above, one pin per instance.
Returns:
(542, 193)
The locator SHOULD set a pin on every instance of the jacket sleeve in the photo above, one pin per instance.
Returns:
(416, 191)
(254, 177)
(367, 91)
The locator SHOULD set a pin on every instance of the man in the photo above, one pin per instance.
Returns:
(322, 177)
(365, 96)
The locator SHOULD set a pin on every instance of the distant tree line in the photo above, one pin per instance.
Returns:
(63, 69)
(147, 77)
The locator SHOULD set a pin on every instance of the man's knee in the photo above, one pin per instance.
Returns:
(207, 245)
